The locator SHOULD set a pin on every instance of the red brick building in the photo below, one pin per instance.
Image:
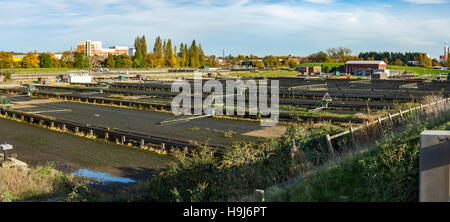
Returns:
(357, 67)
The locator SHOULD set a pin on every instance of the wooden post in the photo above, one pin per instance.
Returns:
(106, 135)
(401, 114)
(163, 146)
(259, 195)
(390, 118)
(63, 127)
(142, 143)
(379, 120)
(52, 124)
(330, 145)
(77, 129)
(352, 133)
(123, 140)
(91, 132)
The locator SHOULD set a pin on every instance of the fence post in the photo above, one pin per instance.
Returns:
(352, 134)
(434, 159)
(259, 195)
(330, 145)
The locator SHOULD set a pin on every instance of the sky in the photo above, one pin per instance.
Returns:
(264, 27)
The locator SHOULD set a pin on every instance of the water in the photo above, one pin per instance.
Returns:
(101, 177)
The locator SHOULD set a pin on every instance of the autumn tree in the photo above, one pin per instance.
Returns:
(30, 61)
(6, 60)
(67, 60)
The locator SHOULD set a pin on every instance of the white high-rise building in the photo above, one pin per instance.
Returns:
(444, 57)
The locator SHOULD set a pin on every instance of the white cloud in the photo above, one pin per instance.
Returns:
(319, 1)
(426, 1)
(238, 27)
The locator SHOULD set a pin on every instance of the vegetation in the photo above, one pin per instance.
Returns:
(388, 171)
(38, 184)
(203, 176)
(418, 70)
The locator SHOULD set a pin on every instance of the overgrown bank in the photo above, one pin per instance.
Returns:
(42, 183)
(389, 171)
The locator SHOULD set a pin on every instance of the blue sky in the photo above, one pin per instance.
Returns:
(296, 27)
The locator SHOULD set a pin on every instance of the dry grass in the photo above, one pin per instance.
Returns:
(40, 183)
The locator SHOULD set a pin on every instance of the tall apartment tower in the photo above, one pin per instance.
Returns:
(90, 47)
(446, 52)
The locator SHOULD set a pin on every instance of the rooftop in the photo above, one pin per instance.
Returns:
(365, 62)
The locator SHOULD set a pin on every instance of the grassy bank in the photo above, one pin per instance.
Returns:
(388, 171)
(41, 183)
(418, 70)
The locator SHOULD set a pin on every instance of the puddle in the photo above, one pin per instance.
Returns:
(101, 177)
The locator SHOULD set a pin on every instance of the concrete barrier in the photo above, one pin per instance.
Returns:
(434, 159)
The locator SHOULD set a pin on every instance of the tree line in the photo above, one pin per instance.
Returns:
(400, 59)
(165, 54)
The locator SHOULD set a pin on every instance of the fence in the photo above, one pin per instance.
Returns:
(380, 120)
(113, 135)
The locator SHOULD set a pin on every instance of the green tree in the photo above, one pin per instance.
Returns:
(186, 52)
(127, 63)
(110, 63)
(138, 60)
(193, 55)
(159, 52)
(171, 59)
(45, 60)
(81, 60)
(201, 56)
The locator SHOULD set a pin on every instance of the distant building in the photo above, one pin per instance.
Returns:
(92, 48)
(18, 58)
(379, 75)
(79, 78)
(446, 52)
(416, 63)
(131, 51)
(358, 67)
(309, 69)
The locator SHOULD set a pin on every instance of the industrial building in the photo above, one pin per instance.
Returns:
(366, 68)
(309, 69)
(92, 48)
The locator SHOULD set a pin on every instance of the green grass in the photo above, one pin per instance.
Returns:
(38, 70)
(418, 70)
(388, 171)
(273, 73)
